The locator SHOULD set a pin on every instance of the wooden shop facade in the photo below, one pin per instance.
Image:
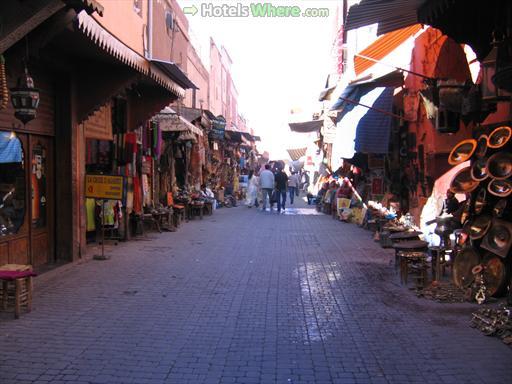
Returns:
(74, 99)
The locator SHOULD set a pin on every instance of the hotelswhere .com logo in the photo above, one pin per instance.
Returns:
(253, 10)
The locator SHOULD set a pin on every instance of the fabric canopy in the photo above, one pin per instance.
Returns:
(372, 135)
(362, 129)
(308, 126)
(169, 121)
(389, 14)
(382, 47)
(296, 154)
(355, 90)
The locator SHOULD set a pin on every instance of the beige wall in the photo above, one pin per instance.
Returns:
(120, 19)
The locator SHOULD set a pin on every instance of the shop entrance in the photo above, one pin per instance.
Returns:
(26, 199)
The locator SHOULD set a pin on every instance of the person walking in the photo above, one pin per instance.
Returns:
(267, 182)
(281, 180)
(252, 189)
(293, 186)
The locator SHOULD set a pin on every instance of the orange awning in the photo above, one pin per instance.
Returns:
(383, 46)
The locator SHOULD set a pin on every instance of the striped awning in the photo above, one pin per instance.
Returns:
(297, 153)
(113, 46)
(307, 126)
(382, 47)
(389, 14)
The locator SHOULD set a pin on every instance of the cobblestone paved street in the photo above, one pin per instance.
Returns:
(245, 297)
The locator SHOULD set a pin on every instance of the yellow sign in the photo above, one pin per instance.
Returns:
(104, 187)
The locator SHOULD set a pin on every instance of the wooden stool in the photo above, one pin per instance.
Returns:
(414, 261)
(438, 255)
(17, 287)
(196, 209)
(409, 246)
(208, 208)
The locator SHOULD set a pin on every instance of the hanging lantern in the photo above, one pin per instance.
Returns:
(490, 92)
(25, 98)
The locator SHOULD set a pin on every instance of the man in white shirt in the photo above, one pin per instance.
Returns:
(267, 182)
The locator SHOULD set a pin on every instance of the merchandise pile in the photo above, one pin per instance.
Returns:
(443, 292)
(494, 322)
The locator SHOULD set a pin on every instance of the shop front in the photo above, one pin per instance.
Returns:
(27, 175)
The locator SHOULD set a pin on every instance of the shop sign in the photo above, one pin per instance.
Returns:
(218, 128)
(104, 187)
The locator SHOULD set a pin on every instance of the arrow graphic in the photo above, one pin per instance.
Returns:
(190, 10)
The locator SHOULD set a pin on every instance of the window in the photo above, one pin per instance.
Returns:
(12, 184)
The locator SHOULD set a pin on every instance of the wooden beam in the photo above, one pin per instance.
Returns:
(11, 37)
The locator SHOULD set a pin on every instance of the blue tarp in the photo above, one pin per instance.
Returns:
(372, 135)
(10, 148)
(362, 129)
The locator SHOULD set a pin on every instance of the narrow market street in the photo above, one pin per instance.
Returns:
(244, 297)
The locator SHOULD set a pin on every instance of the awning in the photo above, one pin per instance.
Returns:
(233, 136)
(389, 14)
(363, 129)
(169, 121)
(355, 90)
(373, 129)
(174, 72)
(307, 126)
(382, 47)
(471, 22)
(326, 93)
(34, 14)
(248, 136)
(297, 153)
(110, 44)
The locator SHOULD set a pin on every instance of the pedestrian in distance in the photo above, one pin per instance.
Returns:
(293, 186)
(267, 181)
(252, 189)
(281, 180)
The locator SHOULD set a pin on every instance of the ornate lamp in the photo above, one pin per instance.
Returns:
(490, 92)
(25, 98)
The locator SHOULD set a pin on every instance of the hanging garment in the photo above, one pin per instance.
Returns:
(137, 195)
(90, 212)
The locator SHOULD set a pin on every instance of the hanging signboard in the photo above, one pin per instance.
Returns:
(104, 187)
(218, 128)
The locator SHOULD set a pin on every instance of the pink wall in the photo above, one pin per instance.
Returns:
(120, 19)
(435, 55)
(198, 74)
(215, 80)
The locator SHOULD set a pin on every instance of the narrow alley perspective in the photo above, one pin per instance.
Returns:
(282, 192)
(245, 297)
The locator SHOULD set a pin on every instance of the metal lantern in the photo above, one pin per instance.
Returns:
(25, 98)
(490, 92)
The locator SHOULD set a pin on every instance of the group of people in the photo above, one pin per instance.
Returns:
(275, 186)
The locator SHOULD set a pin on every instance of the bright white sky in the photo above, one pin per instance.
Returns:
(278, 64)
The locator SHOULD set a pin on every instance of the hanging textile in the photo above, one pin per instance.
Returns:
(90, 209)
(137, 195)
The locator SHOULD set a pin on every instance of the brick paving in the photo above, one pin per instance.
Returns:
(244, 297)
